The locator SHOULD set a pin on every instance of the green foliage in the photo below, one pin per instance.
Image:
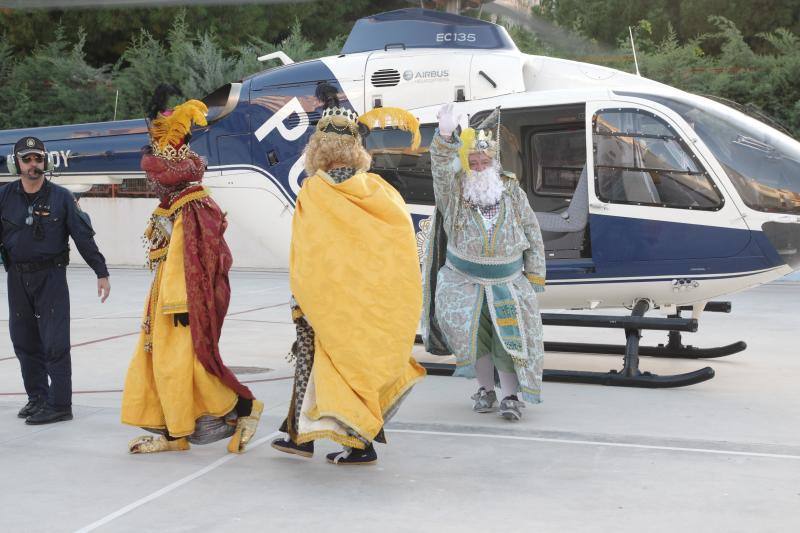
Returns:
(761, 74)
(526, 41)
(766, 81)
(54, 82)
(6, 58)
(54, 85)
(608, 20)
(142, 67)
(235, 26)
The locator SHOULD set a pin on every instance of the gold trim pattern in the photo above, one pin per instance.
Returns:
(538, 280)
(156, 255)
(182, 201)
(170, 153)
(180, 307)
(344, 440)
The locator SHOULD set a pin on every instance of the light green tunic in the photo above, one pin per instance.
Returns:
(511, 300)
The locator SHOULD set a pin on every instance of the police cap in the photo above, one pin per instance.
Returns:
(29, 145)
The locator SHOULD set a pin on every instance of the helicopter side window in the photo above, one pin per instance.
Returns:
(408, 171)
(762, 163)
(641, 160)
(558, 161)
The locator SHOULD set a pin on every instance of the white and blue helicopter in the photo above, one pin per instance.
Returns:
(648, 197)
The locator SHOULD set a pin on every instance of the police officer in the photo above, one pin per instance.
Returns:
(38, 217)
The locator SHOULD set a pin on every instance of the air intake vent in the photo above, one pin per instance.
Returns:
(387, 77)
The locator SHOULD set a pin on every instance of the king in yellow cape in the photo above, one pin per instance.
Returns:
(354, 273)
(355, 277)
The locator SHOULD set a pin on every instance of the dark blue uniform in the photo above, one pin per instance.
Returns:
(35, 232)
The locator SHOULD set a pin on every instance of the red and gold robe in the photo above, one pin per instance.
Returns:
(176, 374)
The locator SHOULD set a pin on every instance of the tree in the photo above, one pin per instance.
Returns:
(54, 85)
(234, 26)
(763, 81)
(608, 20)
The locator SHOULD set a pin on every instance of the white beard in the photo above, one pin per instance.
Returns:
(483, 188)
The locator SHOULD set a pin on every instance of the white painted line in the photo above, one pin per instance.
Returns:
(172, 486)
(597, 443)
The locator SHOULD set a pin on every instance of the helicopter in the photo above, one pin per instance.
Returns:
(648, 197)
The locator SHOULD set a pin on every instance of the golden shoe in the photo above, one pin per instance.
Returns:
(245, 428)
(151, 444)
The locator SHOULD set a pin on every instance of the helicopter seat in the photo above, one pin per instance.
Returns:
(563, 232)
(574, 217)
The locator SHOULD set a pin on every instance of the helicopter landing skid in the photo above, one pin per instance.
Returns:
(671, 350)
(629, 375)
(676, 349)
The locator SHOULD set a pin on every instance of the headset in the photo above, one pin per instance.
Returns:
(13, 164)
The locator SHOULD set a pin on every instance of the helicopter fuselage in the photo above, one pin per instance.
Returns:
(677, 208)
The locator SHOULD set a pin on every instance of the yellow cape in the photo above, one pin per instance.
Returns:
(355, 273)
(167, 387)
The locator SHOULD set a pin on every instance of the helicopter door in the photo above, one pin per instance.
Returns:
(545, 148)
(651, 197)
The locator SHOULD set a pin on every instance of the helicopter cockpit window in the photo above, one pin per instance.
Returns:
(559, 158)
(762, 163)
(640, 159)
(222, 101)
(408, 171)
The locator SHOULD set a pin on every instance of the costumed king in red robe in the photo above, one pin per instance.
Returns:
(177, 385)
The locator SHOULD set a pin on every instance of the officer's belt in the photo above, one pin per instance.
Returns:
(35, 266)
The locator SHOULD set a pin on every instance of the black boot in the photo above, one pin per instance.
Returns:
(48, 415)
(31, 407)
(287, 445)
(354, 457)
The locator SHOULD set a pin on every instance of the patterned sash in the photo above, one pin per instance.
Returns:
(490, 268)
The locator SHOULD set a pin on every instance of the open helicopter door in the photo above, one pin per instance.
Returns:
(658, 214)
(661, 224)
(545, 148)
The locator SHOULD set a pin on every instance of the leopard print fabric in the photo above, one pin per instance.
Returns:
(341, 174)
(303, 355)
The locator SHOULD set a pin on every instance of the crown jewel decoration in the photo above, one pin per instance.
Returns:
(483, 138)
(168, 131)
(339, 119)
(343, 112)
(170, 152)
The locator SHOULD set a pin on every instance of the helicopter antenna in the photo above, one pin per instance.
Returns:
(633, 47)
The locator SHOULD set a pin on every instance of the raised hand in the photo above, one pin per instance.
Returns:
(448, 120)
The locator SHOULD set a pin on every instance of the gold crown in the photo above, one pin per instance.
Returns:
(344, 121)
(339, 120)
(169, 152)
(347, 114)
(484, 142)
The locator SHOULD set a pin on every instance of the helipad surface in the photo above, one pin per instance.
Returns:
(719, 456)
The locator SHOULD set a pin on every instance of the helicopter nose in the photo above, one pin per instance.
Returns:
(785, 238)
